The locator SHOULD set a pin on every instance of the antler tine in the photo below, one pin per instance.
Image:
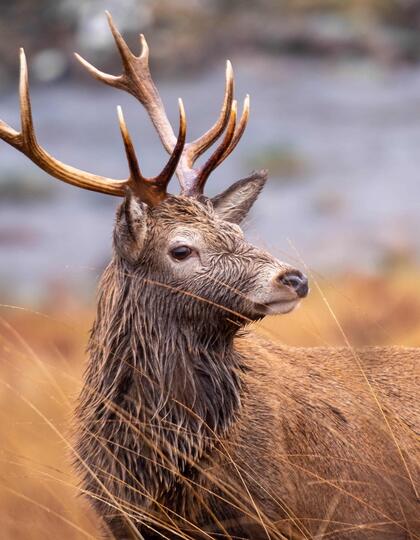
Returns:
(137, 81)
(27, 125)
(144, 48)
(152, 190)
(133, 164)
(239, 131)
(197, 187)
(195, 148)
(126, 55)
(9, 135)
(25, 141)
(111, 80)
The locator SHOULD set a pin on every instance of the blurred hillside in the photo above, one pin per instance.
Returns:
(203, 30)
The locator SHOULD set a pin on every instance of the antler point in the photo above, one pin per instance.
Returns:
(144, 47)
(22, 57)
(84, 62)
(23, 69)
(121, 121)
(229, 70)
(182, 119)
(111, 22)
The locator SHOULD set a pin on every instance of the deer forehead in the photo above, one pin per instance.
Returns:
(185, 218)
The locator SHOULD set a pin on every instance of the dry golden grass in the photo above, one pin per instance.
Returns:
(42, 357)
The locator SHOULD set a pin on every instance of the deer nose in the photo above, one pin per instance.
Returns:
(296, 281)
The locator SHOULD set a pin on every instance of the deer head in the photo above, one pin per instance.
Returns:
(187, 242)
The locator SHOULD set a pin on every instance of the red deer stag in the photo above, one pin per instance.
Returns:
(190, 427)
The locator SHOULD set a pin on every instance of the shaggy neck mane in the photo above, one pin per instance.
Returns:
(164, 385)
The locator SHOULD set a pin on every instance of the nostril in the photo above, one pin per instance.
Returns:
(291, 280)
(296, 281)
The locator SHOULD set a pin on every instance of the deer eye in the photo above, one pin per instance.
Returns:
(180, 253)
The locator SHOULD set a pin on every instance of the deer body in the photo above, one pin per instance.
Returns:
(189, 427)
(238, 436)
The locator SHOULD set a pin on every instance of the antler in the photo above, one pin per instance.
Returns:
(136, 80)
(151, 190)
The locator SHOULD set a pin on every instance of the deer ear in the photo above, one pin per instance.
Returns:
(234, 203)
(130, 227)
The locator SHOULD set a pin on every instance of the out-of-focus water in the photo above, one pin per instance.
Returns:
(352, 129)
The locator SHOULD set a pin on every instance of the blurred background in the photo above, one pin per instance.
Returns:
(335, 117)
(335, 90)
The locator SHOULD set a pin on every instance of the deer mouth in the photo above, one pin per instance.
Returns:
(282, 306)
(277, 307)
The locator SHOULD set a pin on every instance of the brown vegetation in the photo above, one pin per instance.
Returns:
(42, 358)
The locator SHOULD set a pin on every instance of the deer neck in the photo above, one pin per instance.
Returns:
(181, 384)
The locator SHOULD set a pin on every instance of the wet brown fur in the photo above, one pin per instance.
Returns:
(189, 423)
